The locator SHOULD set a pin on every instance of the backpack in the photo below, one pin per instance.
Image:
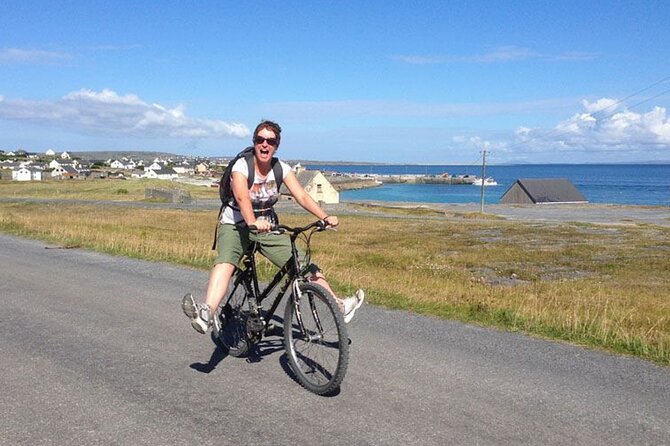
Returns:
(225, 183)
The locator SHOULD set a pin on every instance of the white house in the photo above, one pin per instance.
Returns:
(163, 174)
(116, 164)
(50, 153)
(65, 156)
(65, 171)
(27, 174)
(184, 169)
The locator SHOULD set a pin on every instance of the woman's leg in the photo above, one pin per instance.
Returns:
(231, 243)
(219, 277)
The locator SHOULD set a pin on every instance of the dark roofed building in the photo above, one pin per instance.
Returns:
(542, 190)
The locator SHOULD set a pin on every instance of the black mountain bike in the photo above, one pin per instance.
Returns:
(315, 336)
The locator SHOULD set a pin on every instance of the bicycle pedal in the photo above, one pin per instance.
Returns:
(273, 329)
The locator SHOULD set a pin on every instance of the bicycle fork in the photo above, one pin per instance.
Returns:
(297, 299)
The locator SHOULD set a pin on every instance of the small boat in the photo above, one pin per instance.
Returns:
(487, 182)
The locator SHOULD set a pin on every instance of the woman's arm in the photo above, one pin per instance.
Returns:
(241, 193)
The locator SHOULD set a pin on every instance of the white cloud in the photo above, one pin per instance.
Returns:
(418, 60)
(503, 54)
(107, 112)
(30, 56)
(500, 54)
(603, 125)
(604, 105)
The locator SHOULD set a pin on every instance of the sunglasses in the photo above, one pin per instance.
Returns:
(261, 140)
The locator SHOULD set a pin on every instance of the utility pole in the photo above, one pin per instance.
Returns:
(484, 153)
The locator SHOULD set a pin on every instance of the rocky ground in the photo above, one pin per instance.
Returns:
(584, 213)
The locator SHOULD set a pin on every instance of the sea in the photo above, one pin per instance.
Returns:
(635, 184)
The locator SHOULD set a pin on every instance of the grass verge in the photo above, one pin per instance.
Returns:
(599, 286)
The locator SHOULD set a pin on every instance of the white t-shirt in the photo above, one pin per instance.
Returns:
(263, 194)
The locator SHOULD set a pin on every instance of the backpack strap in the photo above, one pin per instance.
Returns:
(251, 166)
(278, 171)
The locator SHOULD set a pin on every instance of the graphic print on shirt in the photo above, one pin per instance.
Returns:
(263, 193)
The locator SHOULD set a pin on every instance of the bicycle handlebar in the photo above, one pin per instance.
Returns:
(320, 225)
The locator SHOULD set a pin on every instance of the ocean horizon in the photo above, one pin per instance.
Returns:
(645, 184)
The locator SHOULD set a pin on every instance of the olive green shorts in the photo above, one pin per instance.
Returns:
(232, 241)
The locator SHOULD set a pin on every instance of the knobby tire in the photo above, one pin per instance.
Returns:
(320, 358)
(229, 330)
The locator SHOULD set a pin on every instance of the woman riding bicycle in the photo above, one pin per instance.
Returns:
(254, 206)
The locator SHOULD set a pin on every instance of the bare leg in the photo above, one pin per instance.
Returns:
(219, 277)
(319, 279)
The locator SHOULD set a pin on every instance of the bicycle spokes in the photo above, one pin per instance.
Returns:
(315, 340)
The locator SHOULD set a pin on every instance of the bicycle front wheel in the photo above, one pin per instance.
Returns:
(229, 330)
(316, 340)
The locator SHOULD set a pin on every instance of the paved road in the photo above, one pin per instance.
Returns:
(94, 350)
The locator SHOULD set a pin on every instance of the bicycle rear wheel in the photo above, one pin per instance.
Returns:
(229, 330)
(316, 340)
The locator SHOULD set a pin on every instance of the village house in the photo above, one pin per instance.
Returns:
(11, 165)
(316, 185)
(65, 172)
(50, 152)
(202, 168)
(165, 173)
(183, 169)
(27, 174)
(116, 164)
(65, 156)
(55, 164)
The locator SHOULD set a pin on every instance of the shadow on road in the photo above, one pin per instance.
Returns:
(217, 356)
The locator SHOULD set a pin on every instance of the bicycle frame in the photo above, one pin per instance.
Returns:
(249, 280)
(315, 339)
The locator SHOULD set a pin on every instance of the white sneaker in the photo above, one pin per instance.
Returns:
(188, 306)
(351, 304)
(199, 313)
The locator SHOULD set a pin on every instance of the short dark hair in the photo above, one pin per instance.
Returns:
(269, 125)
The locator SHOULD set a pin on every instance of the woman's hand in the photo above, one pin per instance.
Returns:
(262, 225)
(331, 221)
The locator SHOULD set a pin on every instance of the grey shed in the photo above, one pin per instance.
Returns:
(542, 190)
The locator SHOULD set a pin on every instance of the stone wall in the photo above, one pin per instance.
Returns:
(171, 195)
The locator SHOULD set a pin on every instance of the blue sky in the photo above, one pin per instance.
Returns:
(404, 81)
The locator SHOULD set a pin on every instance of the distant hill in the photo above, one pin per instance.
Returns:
(117, 154)
(150, 155)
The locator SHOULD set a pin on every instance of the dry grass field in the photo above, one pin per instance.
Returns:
(110, 189)
(603, 286)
